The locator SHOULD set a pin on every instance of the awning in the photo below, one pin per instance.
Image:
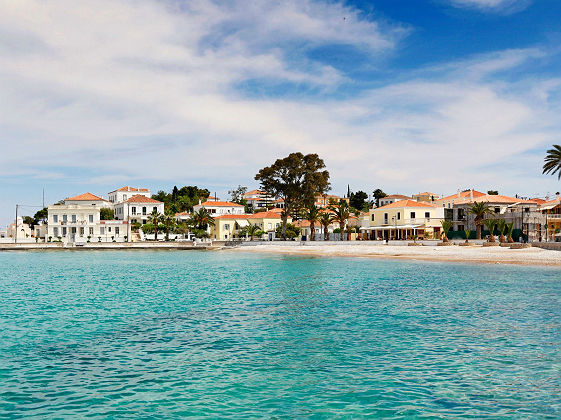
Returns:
(242, 223)
(392, 227)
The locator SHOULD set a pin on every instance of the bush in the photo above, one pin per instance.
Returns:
(292, 231)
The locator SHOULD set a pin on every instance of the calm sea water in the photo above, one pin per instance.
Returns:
(208, 334)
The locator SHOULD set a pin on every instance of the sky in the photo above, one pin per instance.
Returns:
(406, 96)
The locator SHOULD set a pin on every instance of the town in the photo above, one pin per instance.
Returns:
(131, 214)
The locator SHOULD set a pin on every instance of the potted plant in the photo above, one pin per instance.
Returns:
(50, 238)
(113, 238)
(59, 238)
(490, 224)
(510, 229)
(501, 226)
(99, 238)
(89, 237)
(446, 226)
(126, 238)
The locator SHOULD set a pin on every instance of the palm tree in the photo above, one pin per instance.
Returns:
(312, 214)
(341, 213)
(479, 209)
(201, 219)
(251, 230)
(155, 218)
(467, 233)
(553, 161)
(325, 220)
(501, 226)
(169, 222)
(446, 226)
(490, 224)
(510, 229)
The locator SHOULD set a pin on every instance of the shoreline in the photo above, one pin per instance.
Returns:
(532, 256)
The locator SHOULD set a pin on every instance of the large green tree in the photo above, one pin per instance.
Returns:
(377, 194)
(106, 213)
(41, 216)
(297, 179)
(552, 160)
(358, 200)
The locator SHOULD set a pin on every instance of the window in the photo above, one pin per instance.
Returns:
(497, 209)
(91, 231)
(461, 214)
(155, 209)
(73, 230)
(385, 217)
(55, 218)
(227, 226)
(55, 232)
(63, 231)
(372, 217)
(117, 231)
(91, 218)
(144, 211)
(64, 218)
(412, 215)
(81, 231)
(109, 229)
(124, 196)
(102, 230)
(133, 210)
(527, 210)
(398, 215)
(73, 218)
(427, 214)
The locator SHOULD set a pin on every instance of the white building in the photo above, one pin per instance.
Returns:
(137, 209)
(220, 207)
(23, 230)
(259, 199)
(78, 220)
(124, 193)
(389, 199)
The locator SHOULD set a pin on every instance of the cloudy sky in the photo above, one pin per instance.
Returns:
(402, 95)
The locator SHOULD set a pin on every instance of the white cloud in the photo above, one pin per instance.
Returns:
(508, 6)
(131, 90)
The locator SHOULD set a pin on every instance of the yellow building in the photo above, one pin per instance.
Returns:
(552, 210)
(228, 226)
(426, 197)
(402, 220)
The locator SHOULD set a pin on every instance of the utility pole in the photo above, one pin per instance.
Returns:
(16, 235)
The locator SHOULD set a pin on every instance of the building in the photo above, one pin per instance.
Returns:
(259, 199)
(137, 208)
(552, 215)
(18, 229)
(426, 197)
(448, 202)
(326, 200)
(389, 199)
(228, 226)
(524, 214)
(78, 220)
(402, 220)
(220, 207)
(124, 193)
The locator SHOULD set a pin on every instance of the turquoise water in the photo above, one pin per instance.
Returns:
(209, 334)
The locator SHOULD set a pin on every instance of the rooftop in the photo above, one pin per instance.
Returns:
(132, 189)
(495, 199)
(463, 194)
(85, 197)
(142, 199)
(405, 203)
(264, 215)
(219, 204)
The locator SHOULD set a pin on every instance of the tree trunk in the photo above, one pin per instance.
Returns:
(325, 233)
(155, 233)
(342, 227)
(312, 232)
(284, 218)
(478, 231)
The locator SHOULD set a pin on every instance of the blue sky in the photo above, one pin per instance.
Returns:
(403, 95)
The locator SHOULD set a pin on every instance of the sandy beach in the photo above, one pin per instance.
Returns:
(490, 255)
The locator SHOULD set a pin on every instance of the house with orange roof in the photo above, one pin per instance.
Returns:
(392, 198)
(552, 214)
(137, 208)
(326, 200)
(426, 197)
(87, 199)
(228, 226)
(402, 220)
(524, 214)
(257, 199)
(124, 193)
(217, 208)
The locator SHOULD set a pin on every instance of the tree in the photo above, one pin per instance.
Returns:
(358, 200)
(297, 179)
(155, 218)
(236, 195)
(552, 161)
(479, 209)
(446, 226)
(291, 231)
(28, 220)
(312, 214)
(41, 216)
(341, 213)
(490, 224)
(169, 222)
(467, 233)
(377, 194)
(501, 226)
(493, 192)
(510, 229)
(106, 213)
(325, 220)
(201, 219)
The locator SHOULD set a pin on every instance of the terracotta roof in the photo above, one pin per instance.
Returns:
(85, 197)
(404, 197)
(183, 213)
(406, 203)
(427, 193)
(142, 199)
(131, 189)
(264, 215)
(303, 223)
(538, 200)
(496, 199)
(254, 192)
(219, 204)
(231, 216)
(463, 194)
